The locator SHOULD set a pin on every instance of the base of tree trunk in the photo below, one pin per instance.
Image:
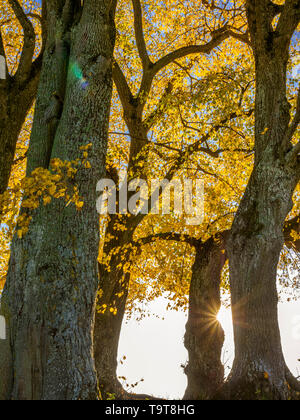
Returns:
(119, 393)
(107, 334)
(260, 386)
(204, 338)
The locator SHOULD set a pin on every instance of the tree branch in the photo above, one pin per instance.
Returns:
(197, 146)
(167, 236)
(240, 37)
(276, 9)
(289, 227)
(160, 109)
(139, 34)
(122, 86)
(217, 38)
(288, 22)
(20, 159)
(292, 129)
(35, 16)
(28, 43)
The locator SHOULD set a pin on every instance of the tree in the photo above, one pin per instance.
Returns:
(18, 89)
(140, 116)
(204, 337)
(49, 296)
(259, 369)
(190, 113)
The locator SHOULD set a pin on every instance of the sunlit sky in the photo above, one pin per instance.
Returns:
(155, 351)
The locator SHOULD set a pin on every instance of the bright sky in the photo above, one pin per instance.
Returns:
(155, 351)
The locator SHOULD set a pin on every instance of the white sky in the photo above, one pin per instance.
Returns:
(155, 351)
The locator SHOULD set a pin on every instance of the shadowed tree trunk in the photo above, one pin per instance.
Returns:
(49, 297)
(114, 282)
(107, 332)
(259, 365)
(17, 93)
(204, 338)
(259, 370)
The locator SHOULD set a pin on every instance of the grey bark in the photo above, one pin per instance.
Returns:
(49, 297)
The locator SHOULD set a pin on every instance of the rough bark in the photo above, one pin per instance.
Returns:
(204, 338)
(49, 297)
(259, 369)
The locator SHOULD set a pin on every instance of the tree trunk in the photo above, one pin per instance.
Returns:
(204, 338)
(49, 297)
(259, 369)
(9, 133)
(17, 95)
(113, 280)
(15, 103)
(113, 292)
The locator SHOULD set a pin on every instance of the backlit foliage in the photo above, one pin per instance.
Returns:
(192, 98)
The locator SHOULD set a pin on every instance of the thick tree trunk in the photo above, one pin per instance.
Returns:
(204, 338)
(259, 369)
(49, 297)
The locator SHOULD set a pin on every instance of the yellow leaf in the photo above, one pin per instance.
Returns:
(46, 200)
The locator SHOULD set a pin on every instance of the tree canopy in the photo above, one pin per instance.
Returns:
(201, 91)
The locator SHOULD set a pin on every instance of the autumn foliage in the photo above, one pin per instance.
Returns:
(183, 106)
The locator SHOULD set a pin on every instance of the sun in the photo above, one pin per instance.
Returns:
(223, 315)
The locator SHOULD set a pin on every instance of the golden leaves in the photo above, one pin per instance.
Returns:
(265, 131)
(40, 188)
